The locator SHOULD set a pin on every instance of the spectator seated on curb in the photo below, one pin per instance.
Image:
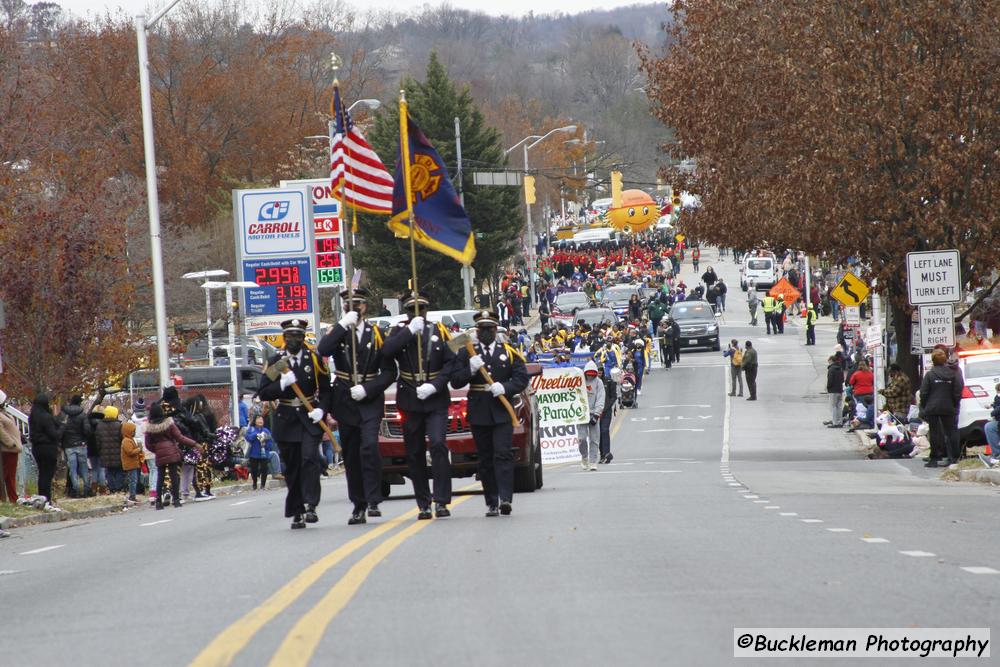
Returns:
(992, 430)
(864, 416)
(892, 440)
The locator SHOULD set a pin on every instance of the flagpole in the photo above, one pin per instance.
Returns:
(348, 263)
(404, 151)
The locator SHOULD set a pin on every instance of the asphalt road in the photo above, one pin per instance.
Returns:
(713, 515)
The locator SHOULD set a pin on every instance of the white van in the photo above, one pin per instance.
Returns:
(594, 235)
(761, 270)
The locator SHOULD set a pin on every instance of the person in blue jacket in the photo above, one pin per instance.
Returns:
(260, 444)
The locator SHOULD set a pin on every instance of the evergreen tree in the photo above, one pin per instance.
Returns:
(495, 213)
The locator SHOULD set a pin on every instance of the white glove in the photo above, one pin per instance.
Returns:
(416, 325)
(287, 379)
(349, 320)
(496, 389)
(358, 392)
(426, 390)
(475, 363)
(316, 414)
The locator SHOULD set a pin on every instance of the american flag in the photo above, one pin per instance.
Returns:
(367, 186)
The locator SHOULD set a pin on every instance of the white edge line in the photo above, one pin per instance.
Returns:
(155, 523)
(42, 550)
(725, 419)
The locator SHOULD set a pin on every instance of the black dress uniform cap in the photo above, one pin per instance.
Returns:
(293, 326)
(407, 299)
(360, 294)
(486, 318)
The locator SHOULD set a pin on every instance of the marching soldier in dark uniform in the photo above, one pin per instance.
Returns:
(491, 425)
(297, 431)
(362, 374)
(423, 399)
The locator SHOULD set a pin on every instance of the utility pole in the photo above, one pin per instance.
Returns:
(466, 270)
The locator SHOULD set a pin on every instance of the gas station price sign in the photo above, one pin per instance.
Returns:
(328, 261)
(285, 286)
(275, 249)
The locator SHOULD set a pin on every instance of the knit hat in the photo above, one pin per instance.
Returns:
(139, 405)
(111, 412)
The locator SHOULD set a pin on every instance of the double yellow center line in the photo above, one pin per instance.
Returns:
(301, 642)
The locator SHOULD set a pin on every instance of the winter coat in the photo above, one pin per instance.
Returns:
(749, 358)
(93, 449)
(941, 391)
(43, 430)
(610, 393)
(108, 435)
(834, 378)
(10, 434)
(898, 395)
(164, 439)
(995, 409)
(595, 398)
(258, 447)
(76, 427)
(862, 382)
(132, 455)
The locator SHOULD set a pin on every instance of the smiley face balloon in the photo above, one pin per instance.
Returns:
(637, 212)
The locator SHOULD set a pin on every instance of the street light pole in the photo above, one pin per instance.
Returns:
(152, 198)
(233, 381)
(527, 206)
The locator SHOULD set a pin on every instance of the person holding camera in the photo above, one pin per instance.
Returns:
(589, 433)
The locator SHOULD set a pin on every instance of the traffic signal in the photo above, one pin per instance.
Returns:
(616, 189)
(529, 189)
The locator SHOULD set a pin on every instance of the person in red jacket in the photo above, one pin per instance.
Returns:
(862, 383)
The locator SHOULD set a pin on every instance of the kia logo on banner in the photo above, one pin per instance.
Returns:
(273, 211)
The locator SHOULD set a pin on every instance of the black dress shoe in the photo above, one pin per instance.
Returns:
(310, 515)
(492, 511)
(609, 458)
(297, 522)
(505, 508)
(827, 423)
(424, 515)
(356, 518)
(373, 510)
(931, 464)
(441, 510)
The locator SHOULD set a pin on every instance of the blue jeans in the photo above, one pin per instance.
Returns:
(79, 474)
(132, 477)
(993, 437)
(153, 477)
(274, 467)
(328, 452)
(97, 471)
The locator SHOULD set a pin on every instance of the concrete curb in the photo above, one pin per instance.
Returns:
(7, 523)
(55, 517)
(983, 475)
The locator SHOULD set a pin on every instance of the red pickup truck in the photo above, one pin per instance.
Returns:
(464, 460)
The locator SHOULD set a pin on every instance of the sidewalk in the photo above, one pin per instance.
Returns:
(8, 523)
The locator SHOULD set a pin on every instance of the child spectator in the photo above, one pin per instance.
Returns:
(164, 439)
(132, 457)
(259, 448)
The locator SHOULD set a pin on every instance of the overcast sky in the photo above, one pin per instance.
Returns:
(495, 7)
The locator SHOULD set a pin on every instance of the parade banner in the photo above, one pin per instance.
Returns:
(562, 396)
(559, 444)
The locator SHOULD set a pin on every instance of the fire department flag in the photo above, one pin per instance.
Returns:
(439, 221)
